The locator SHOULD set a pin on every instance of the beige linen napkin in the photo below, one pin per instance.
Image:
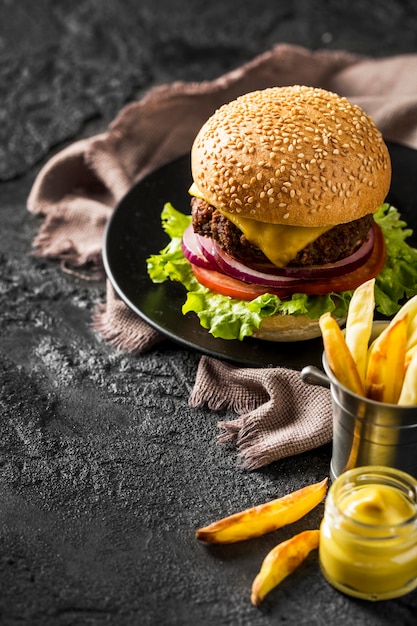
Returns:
(279, 414)
(77, 190)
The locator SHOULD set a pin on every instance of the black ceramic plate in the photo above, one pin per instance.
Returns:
(134, 232)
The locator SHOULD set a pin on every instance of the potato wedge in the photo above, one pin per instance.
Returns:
(386, 362)
(282, 561)
(359, 325)
(338, 355)
(264, 518)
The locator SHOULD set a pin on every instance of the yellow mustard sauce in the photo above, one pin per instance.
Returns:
(368, 536)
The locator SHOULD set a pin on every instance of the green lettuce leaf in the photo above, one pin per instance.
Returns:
(170, 263)
(398, 279)
(234, 319)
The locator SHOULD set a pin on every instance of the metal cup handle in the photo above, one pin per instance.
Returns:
(313, 376)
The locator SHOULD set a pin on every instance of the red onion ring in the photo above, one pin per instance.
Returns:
(192, 250)
(205, 252)
(327, 270)
(207, 248)
(231, 266)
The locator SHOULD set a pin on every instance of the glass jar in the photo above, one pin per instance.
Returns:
(368, 536)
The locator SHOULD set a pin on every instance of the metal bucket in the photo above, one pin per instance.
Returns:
(366, 432)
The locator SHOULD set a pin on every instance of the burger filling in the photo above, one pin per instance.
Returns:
(329, 246)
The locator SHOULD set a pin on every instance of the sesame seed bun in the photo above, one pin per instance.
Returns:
(296, 155)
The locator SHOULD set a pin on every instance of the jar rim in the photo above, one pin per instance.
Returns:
(363, 476)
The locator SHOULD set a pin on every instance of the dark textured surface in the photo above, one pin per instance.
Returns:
(105, 472)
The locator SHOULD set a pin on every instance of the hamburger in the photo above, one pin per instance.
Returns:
(287, 186)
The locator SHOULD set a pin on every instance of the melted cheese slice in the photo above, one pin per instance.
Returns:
(279, 243)
(194, 191)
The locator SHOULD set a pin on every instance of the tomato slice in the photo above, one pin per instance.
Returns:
(234, 288)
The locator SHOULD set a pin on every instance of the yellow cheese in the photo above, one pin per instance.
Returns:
(278, 242)
(194, 191)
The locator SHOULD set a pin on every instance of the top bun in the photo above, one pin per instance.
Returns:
(294, 155)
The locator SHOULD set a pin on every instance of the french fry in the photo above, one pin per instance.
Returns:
(408, 395)
(282, 561)
(410, 307)
(409, 355)
(264, 518)
(386, 362)
(359, 325)
(338, 355)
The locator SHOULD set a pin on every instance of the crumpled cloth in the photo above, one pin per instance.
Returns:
(77, 190)
(279, 414)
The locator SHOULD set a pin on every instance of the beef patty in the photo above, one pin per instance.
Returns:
(335, 244)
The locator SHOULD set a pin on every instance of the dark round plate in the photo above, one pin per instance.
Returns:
(134, 232)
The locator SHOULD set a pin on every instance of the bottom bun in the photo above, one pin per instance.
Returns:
(289, 328)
